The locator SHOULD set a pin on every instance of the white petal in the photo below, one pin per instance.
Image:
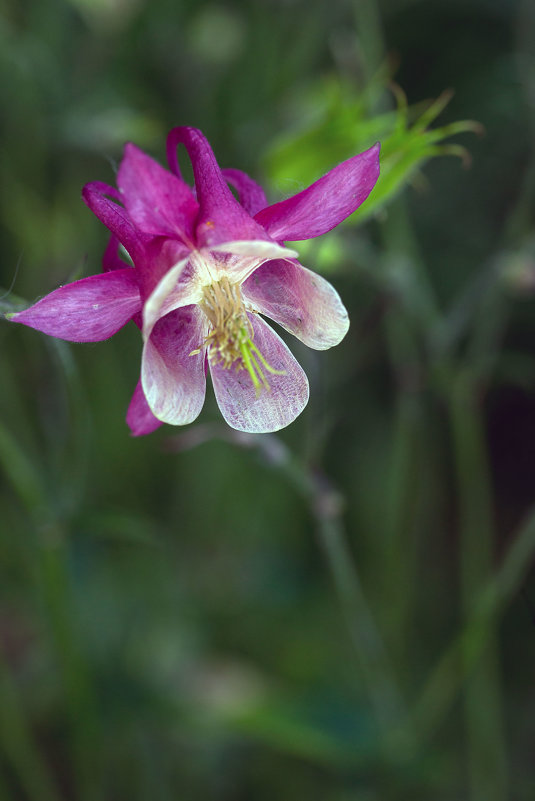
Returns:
(177, 288)
(237, 260)
(242, 406)
(303, 302)
(173, 380)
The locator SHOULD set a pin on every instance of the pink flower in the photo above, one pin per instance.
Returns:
(205, 267)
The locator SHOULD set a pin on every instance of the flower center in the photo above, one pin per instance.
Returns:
(230, 339)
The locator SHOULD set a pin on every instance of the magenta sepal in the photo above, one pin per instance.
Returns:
(88, 310)
(251, 195)
(157, 202)
(114, 217)
(221, 218)
(139, 417)
(326, 203)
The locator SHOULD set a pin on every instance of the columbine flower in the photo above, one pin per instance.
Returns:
(205, 267)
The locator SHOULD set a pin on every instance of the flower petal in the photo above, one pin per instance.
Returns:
(177, 288)
(88, 310)
(174, 382)
(139, 417)
(183, 283)
(157, 201)
(237, 260)
(251, 195)
(114, 217)
(325, 203)
(269, 410)
(304, 303)
(221, 218)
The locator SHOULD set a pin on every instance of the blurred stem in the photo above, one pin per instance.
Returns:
(81, 704)
(403, 500)
(415, 312)
(18, 745)
(22, 473)
(5, 793)
(364, 633)
(407, 318)
(72, 474)
(325, 505)
(370, 36)
(483, 714)
(404, 259)
(25, 479)
(447, 677)
(520, 221)
(151, 780)
(480, 312)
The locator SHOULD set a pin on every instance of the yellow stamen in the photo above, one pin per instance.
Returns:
(230, 339)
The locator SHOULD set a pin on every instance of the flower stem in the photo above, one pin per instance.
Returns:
(446, 679)
(325, 505)
(75, 675)
(482, 702)
(365, 636)
(49, 539)
(18, 745)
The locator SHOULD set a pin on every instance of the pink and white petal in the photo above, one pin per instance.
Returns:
(114, 217)
(183, 283)
(88, 310)
(221, 218)
(302, 302)
(251, 195)
(157, 201)
(268, 410)
(174, 382)
(177, 288)
(325, 203)
(139, 417)
(237, 260)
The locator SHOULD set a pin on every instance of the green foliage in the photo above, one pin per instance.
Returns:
(346, 121)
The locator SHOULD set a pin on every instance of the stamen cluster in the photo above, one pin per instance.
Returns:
(230, 328)
(230, 339)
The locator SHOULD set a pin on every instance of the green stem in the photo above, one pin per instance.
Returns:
(403, 503)
(483, 714)
(446, 679)
(326, 508)
(370, 36)
(412, 313)
(18, 745)
(74, 671)
(365, 636)
(24, 477)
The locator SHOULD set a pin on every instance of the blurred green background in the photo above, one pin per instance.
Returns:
(343, 611)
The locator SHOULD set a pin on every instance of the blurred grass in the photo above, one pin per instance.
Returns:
(191, 615)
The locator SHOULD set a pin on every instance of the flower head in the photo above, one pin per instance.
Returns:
(205, 267)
